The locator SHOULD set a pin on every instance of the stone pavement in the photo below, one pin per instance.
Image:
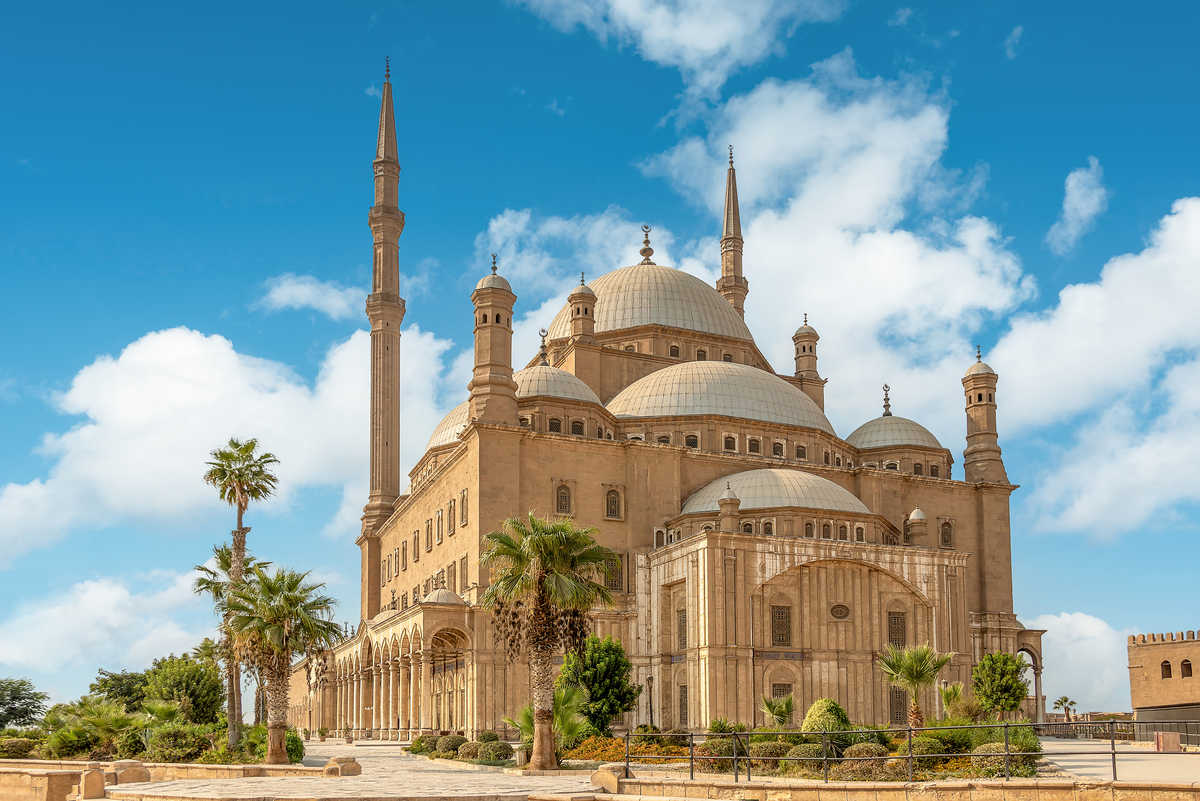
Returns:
(1134, 763)
(389, 772)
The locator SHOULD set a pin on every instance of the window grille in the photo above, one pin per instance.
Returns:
(947, 535)
(612, 579)
(781, 626)
(683, 706)
(897, 629)
(562, 503)
(681, 638)
(897, 706)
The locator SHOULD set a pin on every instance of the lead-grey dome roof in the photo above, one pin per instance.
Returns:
(451, 426)
(980, 368)
(442, 596)
(493, 281)
(772, 487)
(542, 379)
(891, 431)
(723, 388)
(650, 294)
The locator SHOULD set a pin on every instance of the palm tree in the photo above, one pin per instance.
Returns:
(240, 475)
(208, 650)
(778, 710)
(217, 583)
(912, 670)
(274, 617)
(1066, 705)
(568, 720)
(544, 580)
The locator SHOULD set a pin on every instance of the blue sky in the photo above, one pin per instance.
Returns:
(184, 250)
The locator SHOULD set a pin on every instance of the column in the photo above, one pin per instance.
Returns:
(1039, 706)
(390, 723)
(404, 684)
(376, 686)
(360, 698)
(426, 693)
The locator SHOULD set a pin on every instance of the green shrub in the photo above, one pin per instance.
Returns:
(495, 751)
(294, 746)
(450, 742)
(723, 749)
(810, 752)
(16, 747)
(922, 747)
(444, 755)
(1021, 762)
(954, 741)
(1021, 737)
(646, 734)
(424, 744)
(825, 715)
(869, 770)
(488, 737)
(765, 756)
(874, 753)
(132, 743)
(177, 742)
(867, 734)
(69, 741)
(470, 750)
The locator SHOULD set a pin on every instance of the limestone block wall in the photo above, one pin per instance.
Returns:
(1164, 670)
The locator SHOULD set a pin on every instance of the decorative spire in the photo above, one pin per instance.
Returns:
(581, 281)
(385, 148)
(646, 250)
(732, 226)
(887, 403)
(978, 353)
(731, 155)
(806, 318)
(387, 73)
(493, 264)
(545, 362)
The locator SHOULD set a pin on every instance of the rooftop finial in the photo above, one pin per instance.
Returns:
(646, 250)
(581, 281)
(806, 318)
(387, 68)
(978, 353)
(493, 264)
(887, 403)
(731, 155)
(542, 332)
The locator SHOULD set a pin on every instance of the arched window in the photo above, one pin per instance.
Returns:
(769, 528)
(612, 504)
(859, 534)
(730, 444)
(826, 459)
(801, 452)
(728, 357)
(674, 351)
(808, 530)
(692, 441)
(608, 435)
(524, 422)
(934, 470)
(577, 428)
(891, 466)
(630, 348)
(1166, 669)
(981, 397)
(483, 318)
(947, 535)
(562, 503)
(838, 461)
(754, 446)
(664, 440)
(843, 533)
(599, 433)
(826, 532)
(989, 397)
(634, 437)
(701, 355)
(777, 449)
(1185, 669)
(747, 528)
(555, 425)
(917, 469)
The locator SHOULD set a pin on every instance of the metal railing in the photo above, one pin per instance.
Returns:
(741, 759)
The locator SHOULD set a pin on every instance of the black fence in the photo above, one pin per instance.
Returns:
(1110, 731)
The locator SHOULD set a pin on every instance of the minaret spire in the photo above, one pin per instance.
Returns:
(732, 285)
(385, 147)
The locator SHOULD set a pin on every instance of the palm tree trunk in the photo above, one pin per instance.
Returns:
(232, 682)
(277, 706)
(916, 718)
(237, 569)
(541, 685)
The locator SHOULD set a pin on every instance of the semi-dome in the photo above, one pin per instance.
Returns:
(891, 431)
(723, 388)
(451, 426)
(772, 487)
(650, 294)
(542, 379)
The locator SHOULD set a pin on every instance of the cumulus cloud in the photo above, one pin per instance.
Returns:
(901, 17)
(1012, 42)
(1085, 659)
(1084, 200)
(171, 396)
(291, 291)
(707, 40)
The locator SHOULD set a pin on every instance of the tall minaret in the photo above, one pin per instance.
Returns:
(385, 310)
(732, 284)
(981, 459)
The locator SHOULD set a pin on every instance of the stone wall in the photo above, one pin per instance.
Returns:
(1150, 686)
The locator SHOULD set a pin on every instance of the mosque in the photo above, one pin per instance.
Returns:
(760, 553)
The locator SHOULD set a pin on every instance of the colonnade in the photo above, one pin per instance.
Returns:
(400, 697)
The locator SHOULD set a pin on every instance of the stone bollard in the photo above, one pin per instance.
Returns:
(130, 770)
(521, 755)
(91, 781)
(342, 766)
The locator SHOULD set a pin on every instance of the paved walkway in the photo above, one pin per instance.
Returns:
(388, 773)
(1134, 763)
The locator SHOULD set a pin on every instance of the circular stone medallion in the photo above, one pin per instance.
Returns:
(839, 611)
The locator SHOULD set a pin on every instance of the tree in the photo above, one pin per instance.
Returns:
(274, 617)
(217, 582)
(240, 475)
(207, 651)
(1065, 704)
(20, 703)
(194, 685)
(912, 670)
(568, 717)
(602, 671)
(543, 582)
(778, 710)
(999, 682)
(126, 688)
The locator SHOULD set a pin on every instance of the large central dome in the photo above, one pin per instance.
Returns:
(719, 388)
(649, 294)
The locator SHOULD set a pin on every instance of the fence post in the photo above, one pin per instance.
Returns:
(825, 754)
(626, 753)
(736, 749)
(910, 753)
(691, 756)
(1007, 766)
(1112, 742)
(747, 757)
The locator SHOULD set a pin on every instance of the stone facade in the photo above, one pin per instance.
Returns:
(1162, 684)
(760, 553)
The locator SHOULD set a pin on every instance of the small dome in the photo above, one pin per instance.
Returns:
(648, 294)
(442, 596)
(772, 487)
(542, 379)
(916, 514)
(980, 368)
(891, 431)
(805, 330)
(493, 281)
(724, 388)
(583, 289)
(451, 426)
(728, 494)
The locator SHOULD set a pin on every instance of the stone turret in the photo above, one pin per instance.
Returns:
(982, 461)
(732, 284)
(493, 391)
(582, 301)
(804, 343)
(729, 504)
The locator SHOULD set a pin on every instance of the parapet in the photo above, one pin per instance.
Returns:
(1156, 639)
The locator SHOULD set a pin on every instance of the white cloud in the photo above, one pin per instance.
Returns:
(1012, 42)
(707, 40)
(1084, 199)
(900, 18)
(1085, 659)
(372, 91)
(171, 396)
(291, 291)
(554, 108)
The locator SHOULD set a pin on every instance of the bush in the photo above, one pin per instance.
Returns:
(16, 747)
(645, 734)
(765, 756)
(867, 734)
(495, 751)
(954, 741)
(488, 737)
(450, 743)
(825, 715)
(869, 770)
(444, 755)
(810, 752)
(1021, 763)
(195, 685)
(177, 742)
(921, 748)
(132, 744)
(723, 749)
(424, 744)
(294, 746)
(874, 753)
(1020, 737)
(469, 750)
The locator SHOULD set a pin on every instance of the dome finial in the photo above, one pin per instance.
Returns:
(887, 403)
(493, 264)
(387, 68)
(806, 318)
(731, 155)
(646, 250)
(542, 350)
(581, 281)
(978, 353)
